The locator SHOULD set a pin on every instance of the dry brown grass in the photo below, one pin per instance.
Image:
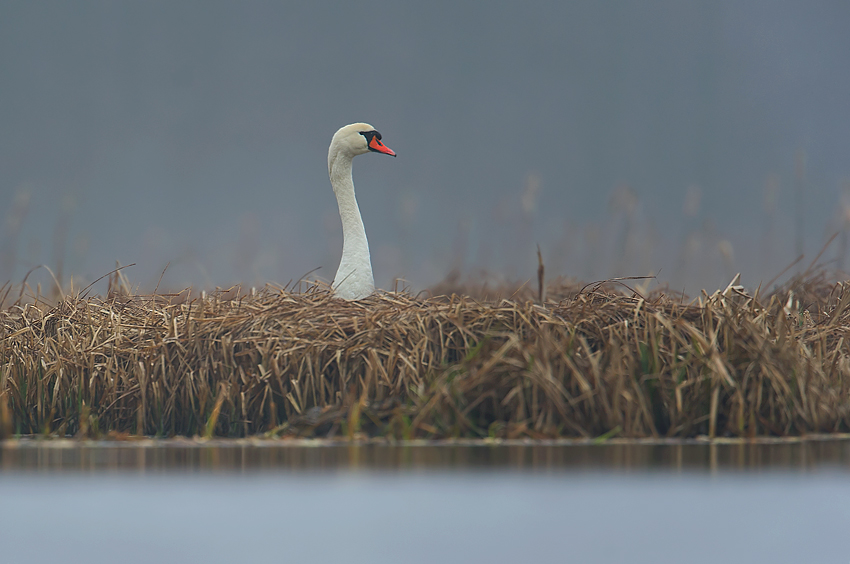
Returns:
(598, 362)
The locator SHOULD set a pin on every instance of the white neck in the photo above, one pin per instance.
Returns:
(353, 280)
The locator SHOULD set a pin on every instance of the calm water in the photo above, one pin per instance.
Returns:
(171, 502)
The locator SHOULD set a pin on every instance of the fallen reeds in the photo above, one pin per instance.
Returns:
(595, 363)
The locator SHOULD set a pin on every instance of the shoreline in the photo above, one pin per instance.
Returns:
(200, 442)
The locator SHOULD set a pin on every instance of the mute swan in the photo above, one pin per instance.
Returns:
(353, 280)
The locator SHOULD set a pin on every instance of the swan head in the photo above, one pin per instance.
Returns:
(357, 139)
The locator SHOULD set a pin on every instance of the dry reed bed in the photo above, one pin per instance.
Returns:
(596, 363)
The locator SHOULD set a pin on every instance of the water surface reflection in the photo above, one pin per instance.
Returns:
(246, 456)
(254, 501)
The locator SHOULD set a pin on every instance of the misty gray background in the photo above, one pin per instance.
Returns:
(624, 138)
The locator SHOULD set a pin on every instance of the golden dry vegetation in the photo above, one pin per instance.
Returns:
(598, 361)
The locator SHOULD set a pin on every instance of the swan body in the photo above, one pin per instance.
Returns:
(353, 280)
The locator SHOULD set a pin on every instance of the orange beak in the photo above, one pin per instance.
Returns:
(376, 145)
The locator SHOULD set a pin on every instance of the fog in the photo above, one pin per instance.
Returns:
(690, 140)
